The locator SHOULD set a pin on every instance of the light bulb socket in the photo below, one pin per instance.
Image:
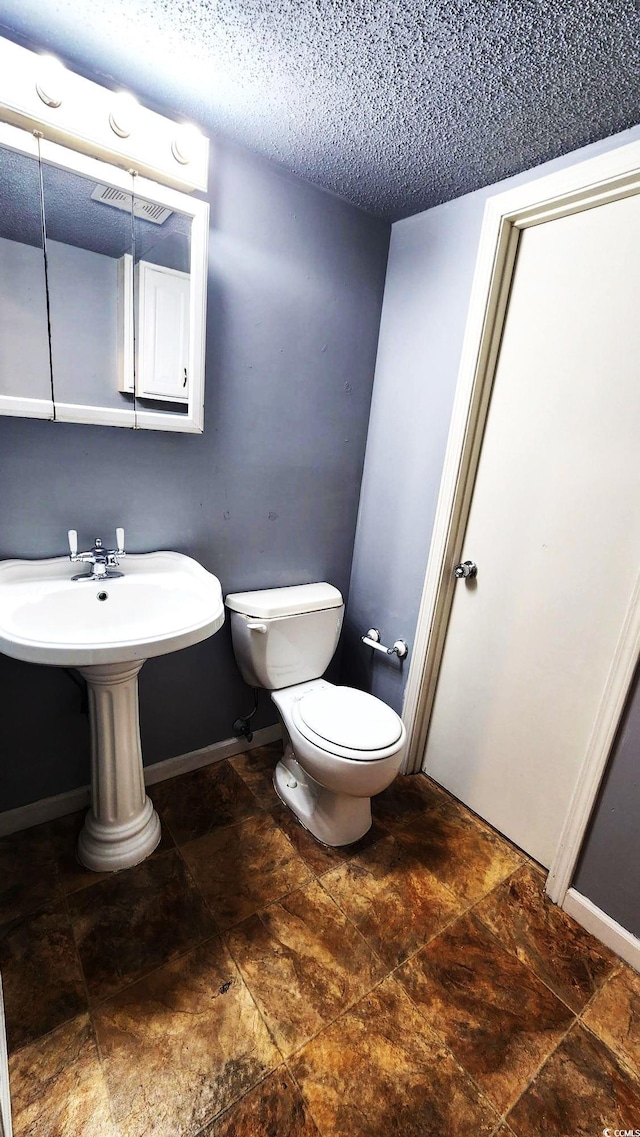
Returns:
(117, 127)
(179, 154)
(47, 98)
(123, 116)
(50, 80)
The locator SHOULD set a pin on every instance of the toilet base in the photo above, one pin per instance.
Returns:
(333, 818)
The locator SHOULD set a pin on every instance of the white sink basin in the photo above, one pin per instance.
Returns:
(107, 628)
(164, 602)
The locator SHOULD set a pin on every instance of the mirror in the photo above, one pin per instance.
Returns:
(123, 272)
(89, 246)
(25, 374)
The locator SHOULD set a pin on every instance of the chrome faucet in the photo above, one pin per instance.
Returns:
(102, 561)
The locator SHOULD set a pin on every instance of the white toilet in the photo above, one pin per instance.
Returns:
(342, 746)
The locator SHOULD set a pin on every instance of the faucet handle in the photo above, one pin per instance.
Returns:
(73, 542)
(120, 540)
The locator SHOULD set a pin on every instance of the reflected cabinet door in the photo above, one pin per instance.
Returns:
(25, 372)
(163, 337)
(163, 255)
(162, 370)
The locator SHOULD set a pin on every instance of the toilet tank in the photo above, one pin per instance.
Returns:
(284, 636)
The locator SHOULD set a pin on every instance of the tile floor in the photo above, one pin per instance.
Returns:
(246, 981)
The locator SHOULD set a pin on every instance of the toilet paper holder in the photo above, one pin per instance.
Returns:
(372, 639)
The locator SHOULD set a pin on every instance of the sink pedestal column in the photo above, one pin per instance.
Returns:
(122, 827)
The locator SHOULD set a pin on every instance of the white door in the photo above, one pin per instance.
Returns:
(554, 529)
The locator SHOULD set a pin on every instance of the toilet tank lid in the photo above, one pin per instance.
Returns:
(268, 603)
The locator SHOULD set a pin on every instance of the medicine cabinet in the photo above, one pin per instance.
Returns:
(103, 279)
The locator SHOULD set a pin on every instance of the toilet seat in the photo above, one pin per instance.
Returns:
(348, 723)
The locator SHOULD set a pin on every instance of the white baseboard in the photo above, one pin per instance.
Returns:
(49, 808)
(217, 752)
(626, 945)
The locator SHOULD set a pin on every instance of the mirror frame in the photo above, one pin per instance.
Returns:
(192, 422)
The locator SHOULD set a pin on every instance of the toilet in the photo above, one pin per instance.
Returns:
(342, 745)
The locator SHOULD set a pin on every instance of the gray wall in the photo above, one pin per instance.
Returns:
(431, 262)
(268, 495)
(24, 336)
(83, 313)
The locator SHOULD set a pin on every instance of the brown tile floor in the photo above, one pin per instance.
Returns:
(245, 980)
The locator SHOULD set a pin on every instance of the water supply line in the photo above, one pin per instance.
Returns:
(242, 725)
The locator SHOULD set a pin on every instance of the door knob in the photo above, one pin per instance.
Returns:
(465, 570)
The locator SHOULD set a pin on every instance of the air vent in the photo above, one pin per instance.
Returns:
(150, 211)
(118, 199)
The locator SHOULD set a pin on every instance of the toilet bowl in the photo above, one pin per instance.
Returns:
(328, 784)
(342, 746)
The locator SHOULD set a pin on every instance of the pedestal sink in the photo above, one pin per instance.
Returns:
(106, 629)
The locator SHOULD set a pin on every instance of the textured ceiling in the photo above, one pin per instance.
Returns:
(395, 105)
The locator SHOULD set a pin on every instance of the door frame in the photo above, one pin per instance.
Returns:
(586, 185)
(6, 1129)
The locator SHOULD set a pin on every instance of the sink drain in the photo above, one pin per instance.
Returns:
(103, 596)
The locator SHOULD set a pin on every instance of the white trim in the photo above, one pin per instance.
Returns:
(47, 809)
(601, 740)
(50, 808)
(114, 416)
(166, 420)
(607, 177)
(126, 336)
(626, 945)
(97, 416)
(19, 406)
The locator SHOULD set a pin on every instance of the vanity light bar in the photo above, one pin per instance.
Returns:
(39, 93)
